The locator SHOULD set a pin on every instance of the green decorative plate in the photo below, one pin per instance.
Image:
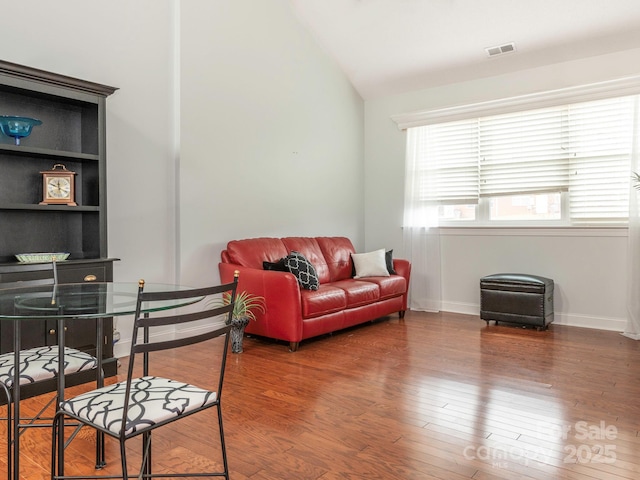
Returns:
(41, 257)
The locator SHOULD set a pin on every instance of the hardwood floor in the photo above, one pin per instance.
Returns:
(433, 396)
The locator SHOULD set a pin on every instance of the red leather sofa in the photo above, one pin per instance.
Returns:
(294, 314)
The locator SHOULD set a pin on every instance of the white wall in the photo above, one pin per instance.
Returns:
(256, 133)
(587, 266)
(126, 45)
(269, 123)
(271, 133)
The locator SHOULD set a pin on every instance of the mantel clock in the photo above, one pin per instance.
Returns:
(58, 186)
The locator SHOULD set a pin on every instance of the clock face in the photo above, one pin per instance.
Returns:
(58, 188)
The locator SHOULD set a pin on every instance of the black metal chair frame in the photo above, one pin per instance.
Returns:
(45, 274)
(143, 344)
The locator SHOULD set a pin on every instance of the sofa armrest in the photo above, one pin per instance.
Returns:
(283, 311)
(403, 267)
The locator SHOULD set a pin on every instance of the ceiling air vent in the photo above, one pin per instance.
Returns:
(501, 49)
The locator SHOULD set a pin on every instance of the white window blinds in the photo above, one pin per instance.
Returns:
(581, 148)
(600, 142)
(448, 158)
(523, 152)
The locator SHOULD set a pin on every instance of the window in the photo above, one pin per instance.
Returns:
(566, 164)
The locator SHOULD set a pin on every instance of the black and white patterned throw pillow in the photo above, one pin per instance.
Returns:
(304, 271)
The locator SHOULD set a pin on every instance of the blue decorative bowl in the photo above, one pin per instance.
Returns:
(17, 127)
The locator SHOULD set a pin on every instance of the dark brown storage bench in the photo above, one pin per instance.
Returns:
(517, 298)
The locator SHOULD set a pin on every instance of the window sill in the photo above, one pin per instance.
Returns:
(537, 231)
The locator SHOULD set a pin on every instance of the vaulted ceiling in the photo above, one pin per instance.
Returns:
(392, 46)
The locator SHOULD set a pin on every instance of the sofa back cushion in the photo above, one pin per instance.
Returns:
(337, 253)
(253, 251)
(331, 256)
(308, 246)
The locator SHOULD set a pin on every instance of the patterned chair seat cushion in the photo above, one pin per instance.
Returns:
(152, 401)
(41, 363)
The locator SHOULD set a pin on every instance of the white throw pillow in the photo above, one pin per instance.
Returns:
(370, 264)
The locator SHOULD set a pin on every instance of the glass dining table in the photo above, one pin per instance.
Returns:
(77, 301)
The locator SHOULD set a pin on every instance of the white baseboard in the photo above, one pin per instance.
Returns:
(464, 308)
(586, 321)
(123, 347)
(568, 319)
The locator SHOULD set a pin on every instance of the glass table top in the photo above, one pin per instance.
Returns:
(82, 300)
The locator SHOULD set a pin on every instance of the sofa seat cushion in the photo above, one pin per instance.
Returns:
(327, 299)
(358, 293)
(390, 287)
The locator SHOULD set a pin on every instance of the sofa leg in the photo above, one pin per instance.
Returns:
(293, 346)
(401, 313)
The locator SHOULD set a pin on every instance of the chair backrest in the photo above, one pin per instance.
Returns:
(213, 317)
(28, 275)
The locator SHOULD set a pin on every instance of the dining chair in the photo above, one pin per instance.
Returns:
(36, 364)
(147, 399)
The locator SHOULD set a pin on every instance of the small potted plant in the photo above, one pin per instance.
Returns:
(244, 310)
